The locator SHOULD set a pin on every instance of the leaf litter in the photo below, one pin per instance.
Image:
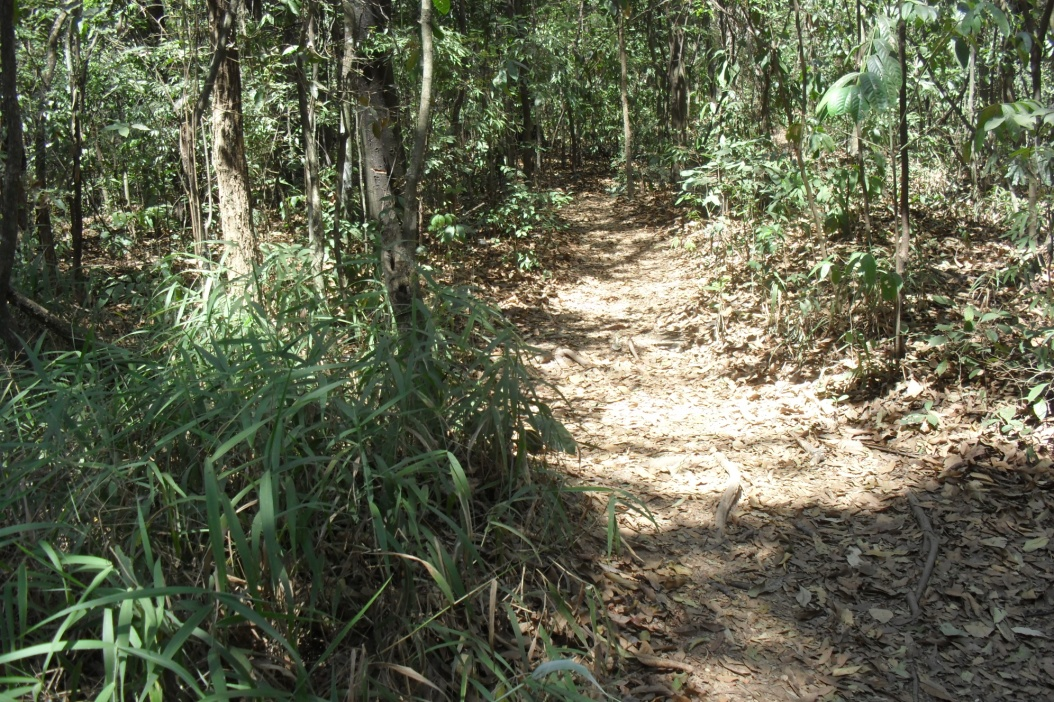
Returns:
(867, 558)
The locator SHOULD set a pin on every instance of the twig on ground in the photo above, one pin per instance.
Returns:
(667, 663)
(75, 335)
(930, 542)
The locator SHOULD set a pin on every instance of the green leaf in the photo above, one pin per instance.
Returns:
(837, 100)
(890, 284)
(1036, 392)
(562, 665)
(441, 6)
(1000, 19)
(988, 119)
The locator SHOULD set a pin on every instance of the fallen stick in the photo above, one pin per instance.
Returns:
(667, 663)
(75, 335)
(929, 540)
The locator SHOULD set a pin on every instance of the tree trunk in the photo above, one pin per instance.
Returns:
(677, 78)
(232, 170)
(382, 157)
(76, 86)
(971, 115)
(45, 231)
(816, 221)
(307, 95)
(346, 141)
(1039, 34)
(189, 160)
(188, 127)
(858, 143)
(14, 150)
(904, 240)
(424, 110)
(627, 129)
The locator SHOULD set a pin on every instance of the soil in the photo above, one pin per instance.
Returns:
(866, 558)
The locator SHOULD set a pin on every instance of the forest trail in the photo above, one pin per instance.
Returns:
(808, 597)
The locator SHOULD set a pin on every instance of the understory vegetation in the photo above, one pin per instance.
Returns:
(263, 499)
(255, 440)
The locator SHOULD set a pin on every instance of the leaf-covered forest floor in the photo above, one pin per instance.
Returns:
(845, 515)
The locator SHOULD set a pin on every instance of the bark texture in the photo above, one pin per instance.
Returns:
(904, 240)
(307, 79)
(627, 127)
(383, 160)
(14, 151)
(77, 80)
(232, 170)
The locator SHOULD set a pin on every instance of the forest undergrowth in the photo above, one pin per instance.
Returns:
(281, 495)
(222, 494)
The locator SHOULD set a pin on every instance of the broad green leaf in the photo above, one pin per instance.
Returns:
(562, 665)
(836, 101)
(441, 6)
(999, 17)
(1035, 392)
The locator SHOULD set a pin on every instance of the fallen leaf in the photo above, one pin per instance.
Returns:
(882, 615)
(1035, 544)
(994, 542)
(1026, 631)
(804, 597)
(847, 670)
(978, 630)
(935, 690)
(948, 629)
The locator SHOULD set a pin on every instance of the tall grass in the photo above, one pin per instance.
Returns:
(279, 496)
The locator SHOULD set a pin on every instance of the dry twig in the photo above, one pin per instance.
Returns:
(930, 542)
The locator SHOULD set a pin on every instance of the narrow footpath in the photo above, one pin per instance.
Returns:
(794, 554)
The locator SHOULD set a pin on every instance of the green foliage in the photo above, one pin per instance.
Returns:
(242, 493)
(446, 229)
(738, 178)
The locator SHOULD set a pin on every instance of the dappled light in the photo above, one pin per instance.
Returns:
(809, 596)
(526, 350)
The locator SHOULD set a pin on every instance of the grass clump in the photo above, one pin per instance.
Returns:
(280, 497)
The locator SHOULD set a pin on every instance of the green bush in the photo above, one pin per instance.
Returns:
(250, 492)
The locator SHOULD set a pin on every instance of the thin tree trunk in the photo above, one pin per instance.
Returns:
(382, 158)
(188, 127)
(417, 157)
(904, 241)
(627, 129)
(232, 170)
(76, 87)
(677, 79)
(307, 94)
(971, 107)
(45, 232)
(857, 141)
(15, 152)
(1039, 34)
(346, 147)
(817, 222)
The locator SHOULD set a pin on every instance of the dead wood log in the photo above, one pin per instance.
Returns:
(75, 335)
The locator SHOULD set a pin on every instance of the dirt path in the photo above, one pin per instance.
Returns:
(808, 597)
